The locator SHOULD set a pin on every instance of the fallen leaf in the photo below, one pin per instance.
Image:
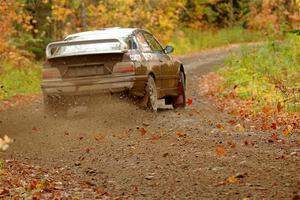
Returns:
(77, 196)
(99, 136)
(231, 179)
(274, 136)
(180, 134)
(231, 122)
(265, 126)
(142, 131)
(267, 109)
(155, 137)
(274, 126)
(220, 151)
(189, 102)
(288, 131)
(232, 145)
(219, 126)
(4, 192)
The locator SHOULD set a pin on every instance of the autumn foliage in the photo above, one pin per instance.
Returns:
(30, 25)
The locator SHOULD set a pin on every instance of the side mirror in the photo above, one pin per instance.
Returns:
(169, 49)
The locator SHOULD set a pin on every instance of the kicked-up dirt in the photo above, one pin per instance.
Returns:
(130, 153)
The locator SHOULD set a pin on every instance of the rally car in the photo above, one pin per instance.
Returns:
(113, 60)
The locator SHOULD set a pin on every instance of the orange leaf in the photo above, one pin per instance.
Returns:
(99, 136)
(265, 126)
(180, 134)
(232, 145)
(232, 122)
(274, 136)
(219, 126)
(220, 151)
(209, 122)
(288, 131)
(266, 110)
(189, 102)
(155, 137)
(142, 131)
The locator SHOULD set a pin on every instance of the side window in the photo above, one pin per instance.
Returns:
(142, 42)
(134, 44)
(155, 46)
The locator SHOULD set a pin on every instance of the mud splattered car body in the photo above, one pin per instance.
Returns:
(111, 60)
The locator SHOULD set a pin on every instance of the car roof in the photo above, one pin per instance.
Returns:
(115, 32)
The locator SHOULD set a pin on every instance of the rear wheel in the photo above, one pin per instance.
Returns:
(179, 101)
(152, 94)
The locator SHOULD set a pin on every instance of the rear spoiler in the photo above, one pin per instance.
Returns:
(49, 53)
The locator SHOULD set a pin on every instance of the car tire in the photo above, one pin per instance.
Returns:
(180, 100)
(152, 94)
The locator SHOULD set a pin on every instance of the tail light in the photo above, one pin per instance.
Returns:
(124, 67)
(51, 73)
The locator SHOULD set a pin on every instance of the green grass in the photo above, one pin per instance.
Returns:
(19, 81)
(270, 73)
(187, 41)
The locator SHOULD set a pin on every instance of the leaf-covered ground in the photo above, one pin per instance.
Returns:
(254, 116)
(23, 181)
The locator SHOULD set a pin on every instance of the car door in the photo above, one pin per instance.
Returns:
(150, 58)
(168, 68)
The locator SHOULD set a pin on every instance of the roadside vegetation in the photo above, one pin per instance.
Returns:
(23, 81)
(187, 40)
(260, 84)
(269, 73)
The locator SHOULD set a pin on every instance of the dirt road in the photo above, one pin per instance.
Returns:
(171, 154)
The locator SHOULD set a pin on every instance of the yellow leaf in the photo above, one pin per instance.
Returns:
(288, 131)
(77, 196)
(231, 179)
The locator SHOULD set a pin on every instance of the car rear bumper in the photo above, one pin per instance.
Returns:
(90, 86)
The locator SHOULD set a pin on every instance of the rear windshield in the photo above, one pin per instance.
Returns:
(89, 48)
